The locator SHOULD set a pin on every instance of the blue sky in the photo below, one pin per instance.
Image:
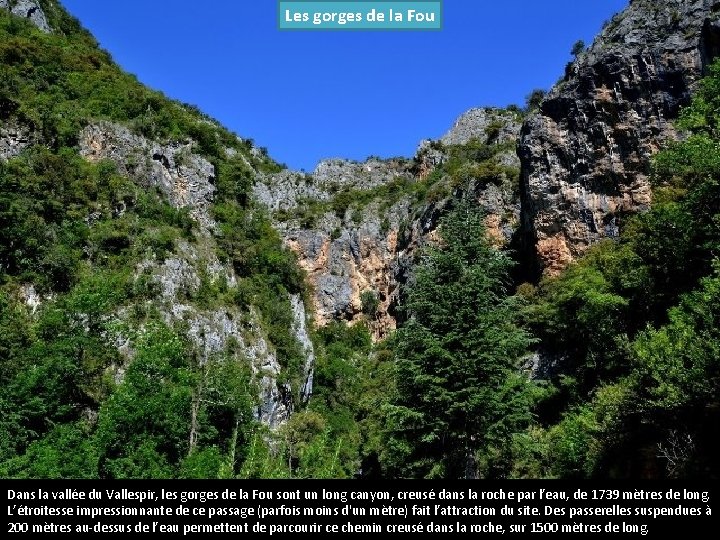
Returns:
(313, 95)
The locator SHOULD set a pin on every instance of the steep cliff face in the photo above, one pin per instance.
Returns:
(357, 226)
(586, 153)
(346, 247)
(494, 189)
(192, 284)
(187, 181)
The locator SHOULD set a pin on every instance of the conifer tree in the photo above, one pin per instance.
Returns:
(460, 396)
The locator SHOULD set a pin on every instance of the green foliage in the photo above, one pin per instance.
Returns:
(370, 303)
(476, 161)
(67, 451)
(493, 130)
(57, 210)
(633, 328)
(337, 432)
(578, 48)
(143, 427)
(679, 363)
(459, 398)
(267, 271)
(61, 370)
(15, 336)
(582, 316)
(634, 325)
(77, 231)
(578, 443)
(263, 461)
(534, 99)
(56, 83)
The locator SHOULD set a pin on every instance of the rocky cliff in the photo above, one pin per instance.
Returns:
(13, 140)
(346, 248)
(583, 157)
(191, 285)
(28, 9)
(356, 226)
(146, 249)
(187, 181)
(586, 153)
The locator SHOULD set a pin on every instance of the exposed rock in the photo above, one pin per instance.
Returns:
(31, 298)
(370, 247)
(13, 140)
(586, 153)
(301, 334)
(487, 124)
(29, 9)
(342, 266)
(186, 179)
(288, 189)
(335, 174)
(223, 330)
(541, 366)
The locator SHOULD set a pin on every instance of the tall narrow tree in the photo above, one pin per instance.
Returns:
(460, 397)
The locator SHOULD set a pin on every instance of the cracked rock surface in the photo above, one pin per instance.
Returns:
(29, 9)
(586, 153)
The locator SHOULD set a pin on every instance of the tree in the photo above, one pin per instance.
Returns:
(459, 397)
(578, 48)
(370, 304)
(534, 99)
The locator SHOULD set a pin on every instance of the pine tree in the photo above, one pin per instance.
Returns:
(460, 396)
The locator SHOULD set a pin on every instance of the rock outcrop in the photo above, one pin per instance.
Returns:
(223, 330)
(302, 335)
(356, 226)
(495, 125)
(28, 9)
(344, 249)
(13, 140)
(186, 179)
(586, 153)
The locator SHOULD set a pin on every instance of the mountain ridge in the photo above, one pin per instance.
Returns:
(180, 300)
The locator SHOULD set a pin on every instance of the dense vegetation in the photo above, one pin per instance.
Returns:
(76, 231)
(628, 337)
(633, 328)
(460, 398)
(627, 340)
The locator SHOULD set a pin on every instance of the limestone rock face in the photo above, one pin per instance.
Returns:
(224, 331)
(29, 9)
(345, 252)
(586, 153)
(356, 228)
(186, 179)
(485, 123)
(13, 140)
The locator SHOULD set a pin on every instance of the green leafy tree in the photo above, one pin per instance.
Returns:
(459, 397)
(143, 427)
(634, 327)
(370, 303)
(534, 99)
(578, 48)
